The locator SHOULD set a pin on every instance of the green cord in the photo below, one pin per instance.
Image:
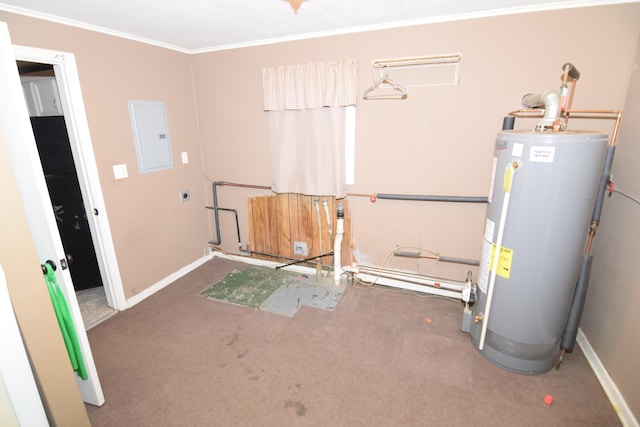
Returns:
(66, 323)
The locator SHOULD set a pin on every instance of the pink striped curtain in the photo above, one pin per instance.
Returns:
(306, 86)
(307, 108)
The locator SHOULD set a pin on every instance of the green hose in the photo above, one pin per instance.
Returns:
(66, 323)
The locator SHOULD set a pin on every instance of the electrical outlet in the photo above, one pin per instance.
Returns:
(300, 248)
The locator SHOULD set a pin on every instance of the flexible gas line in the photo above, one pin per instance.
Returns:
(509, 171)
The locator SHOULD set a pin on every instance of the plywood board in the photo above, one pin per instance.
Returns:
(276, 222)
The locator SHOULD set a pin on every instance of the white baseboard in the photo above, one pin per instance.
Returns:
(615, 397)
(197, 263)
(167, 281)
(265, 263)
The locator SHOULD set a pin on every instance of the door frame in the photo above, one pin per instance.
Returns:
(68, 83)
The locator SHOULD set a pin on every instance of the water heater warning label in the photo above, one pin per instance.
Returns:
(504, 261)
(542, 154)
(483, 276)
(487, 258)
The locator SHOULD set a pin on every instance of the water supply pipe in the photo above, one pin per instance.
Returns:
(216, 209)
(408, 281)
(216, 216)
(580, 293)
(577, 305)
(337, 245)
(437, 257)
(569, 74)
(457, 199)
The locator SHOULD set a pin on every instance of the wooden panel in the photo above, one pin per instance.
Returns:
(316, 225)
(305, 223)
(276, 222)
(294, 222)
(252, 235)
(273, 235)
(261, 225)
(285, 244)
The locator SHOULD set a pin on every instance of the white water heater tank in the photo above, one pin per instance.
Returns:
(550, 203)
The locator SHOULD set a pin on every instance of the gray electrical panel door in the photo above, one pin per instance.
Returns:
(151, 135)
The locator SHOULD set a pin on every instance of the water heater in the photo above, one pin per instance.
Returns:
(544, 186)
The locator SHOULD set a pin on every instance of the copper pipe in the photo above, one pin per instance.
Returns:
(616, 129)
(568, 106)
(616, 113)
(592, 234)
(594, 112)
(532, 112)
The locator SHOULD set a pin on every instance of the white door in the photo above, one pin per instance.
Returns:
(14, 121)
(16, 378)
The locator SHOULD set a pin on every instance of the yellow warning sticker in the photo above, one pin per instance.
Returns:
(508, 178)
(504, 261)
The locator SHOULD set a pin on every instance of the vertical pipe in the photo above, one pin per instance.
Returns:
(580, 292)
(508, 123)
(337, 245)
(316, 203)
(604, 181)
(216, 215)
(577, 305)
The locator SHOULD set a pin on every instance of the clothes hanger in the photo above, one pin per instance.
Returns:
(399, 91)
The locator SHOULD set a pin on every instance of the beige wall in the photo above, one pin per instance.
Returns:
(154, 233)
(33, 308)
(610, 320)
(438, 141)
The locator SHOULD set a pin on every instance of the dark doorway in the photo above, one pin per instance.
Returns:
(56, 157)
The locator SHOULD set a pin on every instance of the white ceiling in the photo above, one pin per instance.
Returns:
(206, 25)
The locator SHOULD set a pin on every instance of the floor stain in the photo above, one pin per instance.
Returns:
(234, 338)
(298, 406)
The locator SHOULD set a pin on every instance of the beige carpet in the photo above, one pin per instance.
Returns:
(180, 359)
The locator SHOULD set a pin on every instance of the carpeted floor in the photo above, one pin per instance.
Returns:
(180, 359)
